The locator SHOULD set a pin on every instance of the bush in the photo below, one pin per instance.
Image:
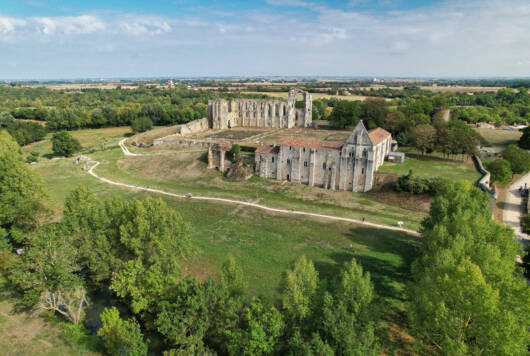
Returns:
(33, 157)
(142, 124)
(519, 159)
(77, 334)
(63, 144)
(402, 139)
(418, 185)
(524, 141)
(500, 170)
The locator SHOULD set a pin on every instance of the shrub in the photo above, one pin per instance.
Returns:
(519, 159)
(33, 157)
(419, 185)
(63, 144)
(142, 124)
(500, 170)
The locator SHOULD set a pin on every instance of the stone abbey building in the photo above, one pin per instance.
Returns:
(346, 165)
(270, 113)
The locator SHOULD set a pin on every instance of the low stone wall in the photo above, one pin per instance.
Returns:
(484, 182)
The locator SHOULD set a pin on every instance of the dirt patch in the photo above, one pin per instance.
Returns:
(167, 167)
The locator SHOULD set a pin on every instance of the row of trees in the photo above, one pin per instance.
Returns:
(467, 296)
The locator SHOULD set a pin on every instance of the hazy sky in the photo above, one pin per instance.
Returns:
(138, 38)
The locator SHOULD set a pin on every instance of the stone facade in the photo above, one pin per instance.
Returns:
(270, 113)
(348, 165)
(217, 156)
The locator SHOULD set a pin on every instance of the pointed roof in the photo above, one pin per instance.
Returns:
(360, 131)
(377, 135)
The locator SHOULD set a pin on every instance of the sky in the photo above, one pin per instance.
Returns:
(53, 39)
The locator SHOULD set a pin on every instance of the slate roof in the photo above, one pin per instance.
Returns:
(377, 135)
(334, 145)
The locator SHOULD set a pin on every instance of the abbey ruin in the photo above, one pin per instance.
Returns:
(271, 113)
(346, 165)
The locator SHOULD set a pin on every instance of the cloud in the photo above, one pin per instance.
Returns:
(10, 24)
(145, 26)
(68, 25)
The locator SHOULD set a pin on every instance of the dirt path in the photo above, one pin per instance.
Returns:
(513, 208)
(240, 202)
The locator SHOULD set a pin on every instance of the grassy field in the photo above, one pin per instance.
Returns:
(432, 165)
(500, 138)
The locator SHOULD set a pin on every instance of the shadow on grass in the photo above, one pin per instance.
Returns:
(387, 256)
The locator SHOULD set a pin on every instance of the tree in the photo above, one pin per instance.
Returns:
(374, 112)
(500, 170)
(356, 289)
(121, 337)
(234, 151)
(396, 123)
(142, 124)
(259, 331)
(519, 159)
(524, 140)
(423, 138)
(63, 144)
(69, 303)
(467, 296)
(299, 288)
(21, 188)
(345, 113)
(48, 270)
(232, 277)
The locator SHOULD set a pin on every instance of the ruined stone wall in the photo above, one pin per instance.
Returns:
(266, 113)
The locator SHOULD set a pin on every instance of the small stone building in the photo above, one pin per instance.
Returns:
(348, 165)
(217, 156)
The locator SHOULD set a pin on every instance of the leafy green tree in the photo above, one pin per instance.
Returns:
(142, 124)
(48, 266)
(402, 139)
(356, 290)
(374, 112)
(519, 159)
(397, 123)
(299, 289)
(467, 296)
(423, 138)
(343, 331)
(500, 170)
(234, 151)
(21, 188)
(185, 318)
(63, 144)
(155, 241)
(345, 113)
(232, 276)
(259, 331)
(121, 337)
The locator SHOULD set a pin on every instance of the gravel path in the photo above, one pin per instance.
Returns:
(513, 208)
(240, 202)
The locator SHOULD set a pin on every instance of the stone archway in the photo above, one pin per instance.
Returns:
(305, 114)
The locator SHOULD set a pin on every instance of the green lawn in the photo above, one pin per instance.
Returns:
(500, 138)
(432, 166)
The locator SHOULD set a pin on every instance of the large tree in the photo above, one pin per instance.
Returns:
(467, 296)
(21, 189)
(63, 144)
(299, 289)
(423, 138)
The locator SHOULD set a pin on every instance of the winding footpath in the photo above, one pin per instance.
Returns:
(126, 152)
